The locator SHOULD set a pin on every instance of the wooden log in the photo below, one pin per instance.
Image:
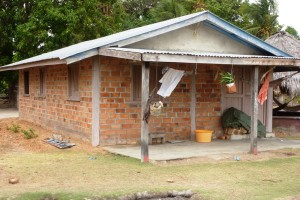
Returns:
(193, 105)
(144, 124)
(254, 111)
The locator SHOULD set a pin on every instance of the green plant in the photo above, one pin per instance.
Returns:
(14, 128)
(226, 78)
(29, 134)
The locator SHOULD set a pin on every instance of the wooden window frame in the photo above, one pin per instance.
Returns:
(73, 82)
(26, 82)
(42, 92)
(136, 81)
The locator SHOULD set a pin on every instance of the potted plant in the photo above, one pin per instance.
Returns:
(228, 79)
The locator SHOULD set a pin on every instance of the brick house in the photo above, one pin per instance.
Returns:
(98, 89)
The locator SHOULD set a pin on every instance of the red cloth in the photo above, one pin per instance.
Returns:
(263, 92)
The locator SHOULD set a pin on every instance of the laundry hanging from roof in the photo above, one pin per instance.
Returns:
(169, 82)
(263, 93)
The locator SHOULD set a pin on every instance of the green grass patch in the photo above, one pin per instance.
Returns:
(72, 175)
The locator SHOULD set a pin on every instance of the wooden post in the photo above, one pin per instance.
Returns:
(96, 101)
(254, 111)
(193, 105)
(269, 117)
(144, 124)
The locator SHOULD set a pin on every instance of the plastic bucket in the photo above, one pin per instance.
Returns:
(203, 135)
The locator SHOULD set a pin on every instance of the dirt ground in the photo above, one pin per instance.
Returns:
(38, 165)
(16, 142)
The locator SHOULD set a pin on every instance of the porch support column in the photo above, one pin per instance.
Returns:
(144, 124)
(269, 117)
(96, 101)
(193, 105)
(254, 111)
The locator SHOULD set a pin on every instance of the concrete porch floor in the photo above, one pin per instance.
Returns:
(8, 113)
(217, 149)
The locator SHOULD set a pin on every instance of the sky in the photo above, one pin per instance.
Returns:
(289, 13)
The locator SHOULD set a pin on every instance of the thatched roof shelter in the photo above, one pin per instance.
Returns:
(289, 44)
(290, 86)
(285, 42)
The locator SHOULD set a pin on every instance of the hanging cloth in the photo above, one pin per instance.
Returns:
(263, 92)
(169, 82)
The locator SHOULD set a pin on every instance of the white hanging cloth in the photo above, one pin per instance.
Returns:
(169, 82)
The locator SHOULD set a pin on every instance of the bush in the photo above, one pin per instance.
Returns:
(14, 128)
(29, 134)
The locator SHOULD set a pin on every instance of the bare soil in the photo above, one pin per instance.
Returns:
(287, 134)
(91, 171)
(16, 142)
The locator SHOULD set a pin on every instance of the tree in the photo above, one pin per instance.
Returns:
(168, 9)
(32, 27)
(9, 20)
(263, 17)
(139, 9)
(226, 9)
(66, 23)
(137, 12)
(291, 30)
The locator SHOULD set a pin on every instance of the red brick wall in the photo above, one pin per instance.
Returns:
(208, 100)
(120, 118)
(55, 111)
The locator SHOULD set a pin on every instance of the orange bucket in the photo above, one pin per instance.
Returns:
(203, 135)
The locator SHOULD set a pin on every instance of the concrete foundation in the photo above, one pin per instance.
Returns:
(217, 149)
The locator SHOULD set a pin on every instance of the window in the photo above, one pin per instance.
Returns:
(73, 82)
(137, 81)
(26, 82)
(42, 81)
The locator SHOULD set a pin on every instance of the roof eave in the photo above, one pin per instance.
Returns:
(54, 61)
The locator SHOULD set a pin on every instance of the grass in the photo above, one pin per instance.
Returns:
(72, 175)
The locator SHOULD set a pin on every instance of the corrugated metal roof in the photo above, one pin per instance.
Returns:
(186, 53)
(104, 41)
(137, 34)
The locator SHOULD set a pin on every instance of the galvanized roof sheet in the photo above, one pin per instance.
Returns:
(187, 53)
(104, 41)
(133, 35)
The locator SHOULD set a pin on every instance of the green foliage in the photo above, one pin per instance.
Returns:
(226, 9)
(29, 134)
(291, 30)
(168, 9)
(226, 78)
(31, 27)
(8, 80)
(66, 23)
(3, 88)
(262, 17)
(14, 128)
